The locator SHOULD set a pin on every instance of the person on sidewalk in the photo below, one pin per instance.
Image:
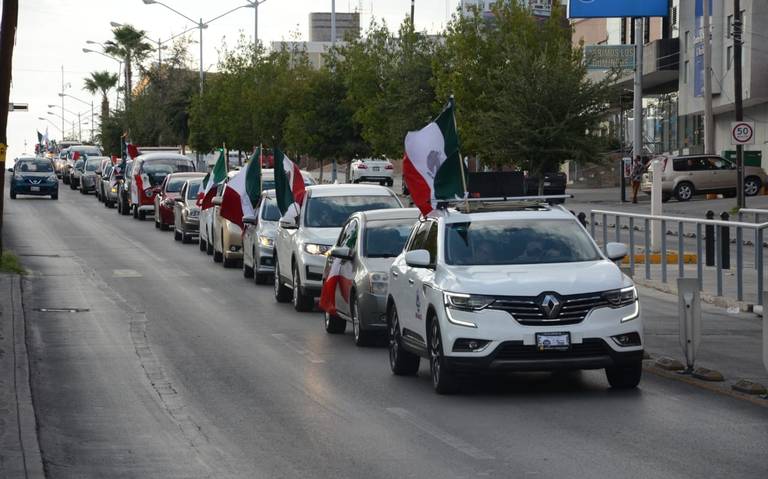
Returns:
(636, 176)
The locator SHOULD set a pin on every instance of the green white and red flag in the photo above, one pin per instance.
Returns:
(212, 181)
(242, 192)
(339, 277)
(432, 166)
(289, 185)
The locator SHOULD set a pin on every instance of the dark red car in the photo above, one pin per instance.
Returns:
(164, 200)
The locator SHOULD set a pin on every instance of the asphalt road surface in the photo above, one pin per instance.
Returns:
(178, 367)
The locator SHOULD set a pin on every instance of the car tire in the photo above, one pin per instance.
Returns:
(134, 210)
(72, 185)
(217, 257)
(334, 324)
(752, 186)
(13, 195)
(201, 244)
(282, 292)
(163, 226)
(185, 238)
(684, 191)
(142, 215)
(157, 225)
(626, 376)
(247, 270)
(178, 236)
(402, 362)
(55, 196)
(65, 179)
(362, 337)
(443, 379)
(208, 246)
(301, 301)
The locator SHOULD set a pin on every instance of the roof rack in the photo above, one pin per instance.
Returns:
(505, 203)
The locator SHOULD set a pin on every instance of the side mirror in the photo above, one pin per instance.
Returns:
(178, 199)
(250, 220)
(342, 252)
(418, 258)
(216, 201)
(616, 251)
(288, 223)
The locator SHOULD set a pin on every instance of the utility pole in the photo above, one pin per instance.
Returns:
(62, 102)
(202, 25)
(709, 125)
(333, 45)
(413, 11)
(7, 39)
(638, 100)
(738, 23)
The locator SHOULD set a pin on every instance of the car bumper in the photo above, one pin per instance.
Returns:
(372, 309)
(147, 208)
(313, 266)
(666, 187)
(266, 260)
(190, 225)
(42, 189)
(512, 346)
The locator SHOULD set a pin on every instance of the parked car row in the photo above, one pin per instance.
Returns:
(487, 287)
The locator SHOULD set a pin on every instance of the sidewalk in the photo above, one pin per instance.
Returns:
(19, 448)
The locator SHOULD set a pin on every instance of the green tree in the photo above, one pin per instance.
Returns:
(128, 43)
(522, 93)
(101, 82)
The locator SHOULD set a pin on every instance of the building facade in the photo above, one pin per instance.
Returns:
(347, 26)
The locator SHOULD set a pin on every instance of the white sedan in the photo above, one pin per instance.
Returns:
(373, 170)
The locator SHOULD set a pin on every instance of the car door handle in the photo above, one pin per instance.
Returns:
(410, 281)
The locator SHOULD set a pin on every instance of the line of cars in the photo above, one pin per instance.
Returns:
(482, 288)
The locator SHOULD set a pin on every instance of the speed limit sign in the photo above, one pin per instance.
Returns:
(743, 133)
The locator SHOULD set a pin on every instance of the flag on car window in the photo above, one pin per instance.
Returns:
(432, 166)
(339, 277)
(214, 178)
(242, 192)
(289, 185)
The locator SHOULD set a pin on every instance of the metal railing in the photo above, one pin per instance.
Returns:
(711, 232)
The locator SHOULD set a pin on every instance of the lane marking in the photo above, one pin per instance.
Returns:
(126, 273)
(308, 355)
(442, 436)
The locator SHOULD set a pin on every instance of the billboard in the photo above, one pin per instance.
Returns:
(617, 8)
(698, 47)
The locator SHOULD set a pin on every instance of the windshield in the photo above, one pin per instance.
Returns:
(34, 166)
(193, 189)
(92, 165)
(157, 170)
(333, 211)
(385, 239)
(517, 242)
(267, 185)
(270, 212)
(174, 185)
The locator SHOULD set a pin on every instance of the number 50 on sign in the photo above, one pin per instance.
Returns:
(742, 133)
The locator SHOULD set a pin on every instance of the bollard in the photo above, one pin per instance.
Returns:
(689, 307)
(709, 245)
(582, 219)
(725, 244)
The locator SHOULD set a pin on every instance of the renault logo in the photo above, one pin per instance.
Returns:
(550, 305)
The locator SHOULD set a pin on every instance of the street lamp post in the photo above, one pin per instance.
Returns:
(255, 5)
(42, 118)
(84, 103)
(159, 41)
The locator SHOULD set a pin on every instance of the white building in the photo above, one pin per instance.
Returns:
(541, 8)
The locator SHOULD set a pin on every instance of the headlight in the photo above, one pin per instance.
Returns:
(193, 213)
(466, 302)
(378, 283)
(114, 189)
(621, 297)
(18, 177)
(314, 248)
(268, 242)
(52, 178)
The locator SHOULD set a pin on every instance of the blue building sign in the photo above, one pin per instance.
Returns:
(617, 8)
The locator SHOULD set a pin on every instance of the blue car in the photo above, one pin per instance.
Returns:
(34, 176)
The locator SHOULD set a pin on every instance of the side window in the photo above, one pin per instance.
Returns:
(680, 164)
(431, 242)
(348, 235)
(183, 192)
(419, 236)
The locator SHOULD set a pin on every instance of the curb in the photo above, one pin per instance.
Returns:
(33, 462)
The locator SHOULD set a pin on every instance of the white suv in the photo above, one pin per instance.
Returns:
(302, 242)
(514, 287)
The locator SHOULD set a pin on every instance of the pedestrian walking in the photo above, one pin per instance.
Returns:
(636, 176)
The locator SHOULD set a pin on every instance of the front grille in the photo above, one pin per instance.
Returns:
(527, 310)
(512, 350)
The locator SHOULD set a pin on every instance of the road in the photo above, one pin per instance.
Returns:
(181, 368)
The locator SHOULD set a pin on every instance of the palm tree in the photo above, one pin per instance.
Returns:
(101, 82)
(128, 44)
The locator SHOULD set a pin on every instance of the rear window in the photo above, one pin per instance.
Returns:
(385, 239)
(193, 189)
(270, 212)
(34, 166)
(92, 165)
(87, 150)
(157, 170)
(333, 211)
(174, 185)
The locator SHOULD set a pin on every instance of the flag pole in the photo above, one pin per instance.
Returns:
(452, 102)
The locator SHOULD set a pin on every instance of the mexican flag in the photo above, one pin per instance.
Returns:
(289, 185)
(432, 167)
(339, 276)
(211, 182)
(242, 192)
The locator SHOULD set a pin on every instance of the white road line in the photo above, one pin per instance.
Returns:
(309, 355)
(444, 437)
(126, 273)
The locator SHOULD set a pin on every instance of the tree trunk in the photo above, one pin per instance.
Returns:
(128, 76)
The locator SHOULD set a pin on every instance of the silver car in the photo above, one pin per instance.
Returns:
(89, 177)
(367, 245)
(110, 186)
(259, 239)
(186, 213)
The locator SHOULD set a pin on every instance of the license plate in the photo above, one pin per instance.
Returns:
(547, 183)
(553, 341)
(34, 188)
(376, 168)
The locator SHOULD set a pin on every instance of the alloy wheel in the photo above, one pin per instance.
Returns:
(435, 352)
(394, 338)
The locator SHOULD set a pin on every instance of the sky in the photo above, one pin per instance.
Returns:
(52, 33)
